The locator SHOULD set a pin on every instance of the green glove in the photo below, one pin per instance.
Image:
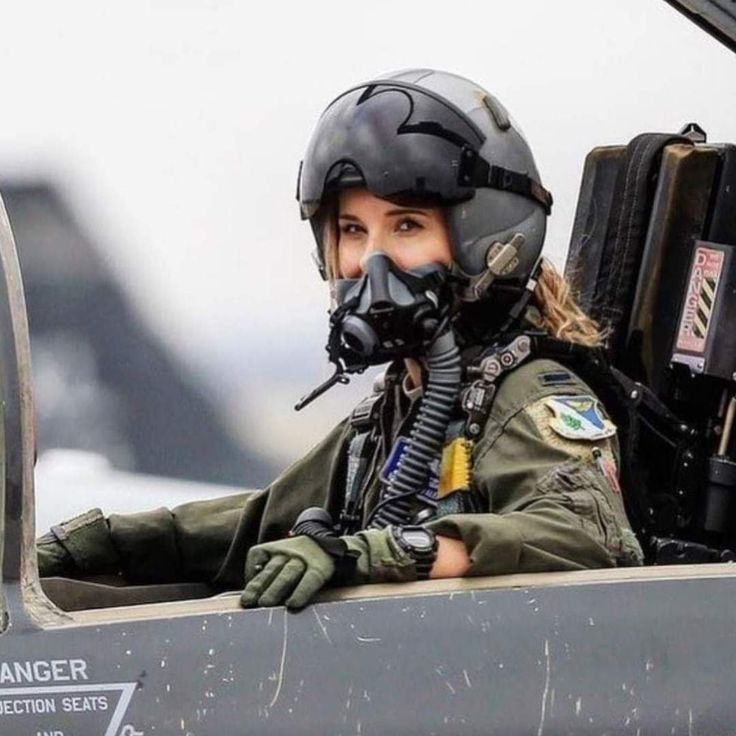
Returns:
(287, 571)
(291, 571)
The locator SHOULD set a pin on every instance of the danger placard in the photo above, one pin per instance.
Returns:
(697, 312)
(57, 697)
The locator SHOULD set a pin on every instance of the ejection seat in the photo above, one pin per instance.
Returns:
(651, 259)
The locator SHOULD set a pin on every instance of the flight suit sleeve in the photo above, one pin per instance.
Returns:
(554, 501)
(162, 545)
(198, 541)
(188, 542)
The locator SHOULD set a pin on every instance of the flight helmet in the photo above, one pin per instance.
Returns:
(430, 136)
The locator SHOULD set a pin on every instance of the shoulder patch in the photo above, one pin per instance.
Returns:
(578, 418)
(542, 417)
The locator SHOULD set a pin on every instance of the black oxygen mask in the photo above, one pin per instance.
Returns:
(387, 313)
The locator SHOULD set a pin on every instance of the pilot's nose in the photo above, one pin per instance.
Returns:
(374, 244)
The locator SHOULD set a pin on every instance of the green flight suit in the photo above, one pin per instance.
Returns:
(549, 502)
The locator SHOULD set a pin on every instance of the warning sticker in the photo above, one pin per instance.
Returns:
(76, 707)
(700, 301)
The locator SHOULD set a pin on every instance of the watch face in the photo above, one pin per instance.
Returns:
(419, 539)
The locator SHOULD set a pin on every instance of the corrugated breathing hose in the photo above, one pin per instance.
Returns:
(426, 439)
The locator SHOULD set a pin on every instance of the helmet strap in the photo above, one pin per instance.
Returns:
(476, 172)
(520, 307)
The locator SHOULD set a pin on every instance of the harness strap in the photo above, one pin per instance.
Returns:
(361, 451)
(477, 398)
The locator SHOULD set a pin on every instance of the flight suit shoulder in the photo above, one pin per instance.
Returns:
(549, 450)
(526, 386)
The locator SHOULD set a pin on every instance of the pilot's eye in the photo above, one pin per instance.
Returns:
(407, 224)
(351, 228)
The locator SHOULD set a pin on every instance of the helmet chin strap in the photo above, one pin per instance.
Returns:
(473, 320)
(518, 309)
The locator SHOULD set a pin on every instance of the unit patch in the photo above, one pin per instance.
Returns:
(578, 418)
(544, 418)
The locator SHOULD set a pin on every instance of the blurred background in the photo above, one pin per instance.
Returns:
(148, 161)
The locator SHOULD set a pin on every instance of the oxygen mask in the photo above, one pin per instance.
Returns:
(387, 313)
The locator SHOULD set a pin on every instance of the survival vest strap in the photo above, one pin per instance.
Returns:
(485, 374)
(362, 452)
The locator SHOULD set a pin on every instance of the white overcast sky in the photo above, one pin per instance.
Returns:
(176, 128)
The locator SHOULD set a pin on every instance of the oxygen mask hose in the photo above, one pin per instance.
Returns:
(398, 505)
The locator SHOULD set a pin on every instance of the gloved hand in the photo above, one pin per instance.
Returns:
(286, 571)
(291, 571)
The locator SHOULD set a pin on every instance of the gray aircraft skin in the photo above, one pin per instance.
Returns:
(626, 651)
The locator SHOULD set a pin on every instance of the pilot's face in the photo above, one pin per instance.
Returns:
(410, 236)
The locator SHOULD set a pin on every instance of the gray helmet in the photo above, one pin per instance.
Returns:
(436, 137)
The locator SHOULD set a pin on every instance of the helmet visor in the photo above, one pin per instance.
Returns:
(403, 140)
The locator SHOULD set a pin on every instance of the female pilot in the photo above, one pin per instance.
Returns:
(477, 454)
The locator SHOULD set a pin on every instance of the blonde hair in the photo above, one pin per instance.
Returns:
(558, 312)
(330, 238)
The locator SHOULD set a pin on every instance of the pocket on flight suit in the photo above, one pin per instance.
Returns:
(582, 488)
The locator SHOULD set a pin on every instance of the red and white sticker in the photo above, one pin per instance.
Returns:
(705, 275)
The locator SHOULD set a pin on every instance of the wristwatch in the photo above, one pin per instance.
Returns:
(420, 544)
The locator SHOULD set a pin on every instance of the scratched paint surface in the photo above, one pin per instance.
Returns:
(629, 658)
